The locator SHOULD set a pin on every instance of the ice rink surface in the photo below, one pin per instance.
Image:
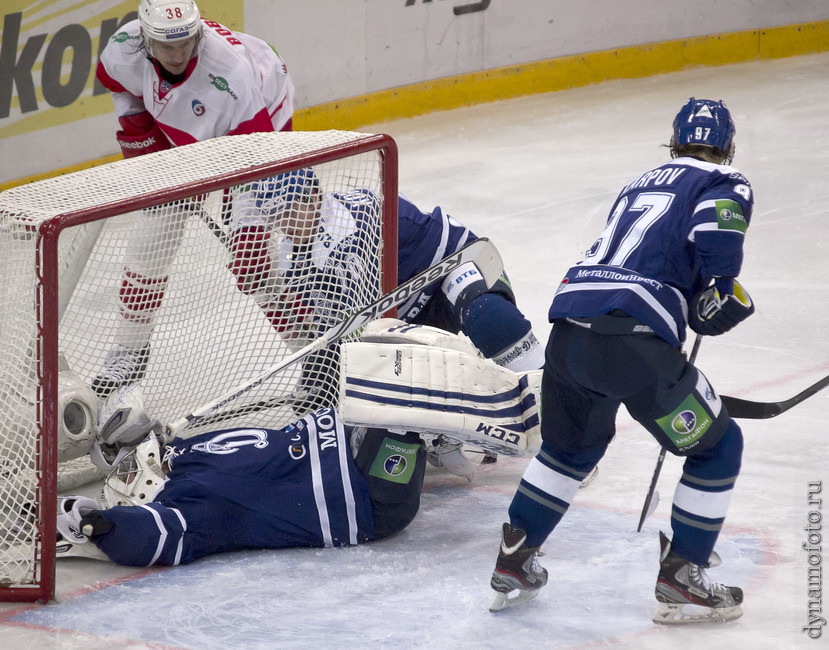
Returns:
(538, 175)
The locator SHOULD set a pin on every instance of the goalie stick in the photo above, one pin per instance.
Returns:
(652, 499)
(481, 251)
(746, 409)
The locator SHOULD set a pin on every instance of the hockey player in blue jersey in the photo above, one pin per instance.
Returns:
(250, 488)
(314, 483)
(668, 258)
(312, 223)
(289, 239)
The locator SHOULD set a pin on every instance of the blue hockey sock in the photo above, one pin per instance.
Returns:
(546, 490)
(703, 495)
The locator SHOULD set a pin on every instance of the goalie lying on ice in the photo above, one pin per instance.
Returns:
(318, 482)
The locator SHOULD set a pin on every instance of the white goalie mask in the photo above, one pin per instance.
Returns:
(138, 477)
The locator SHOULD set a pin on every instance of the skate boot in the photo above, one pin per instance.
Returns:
(452, 455)
(685, 594)
(122, 366)
(517, 576)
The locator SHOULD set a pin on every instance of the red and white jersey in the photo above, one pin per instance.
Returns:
(235, 84)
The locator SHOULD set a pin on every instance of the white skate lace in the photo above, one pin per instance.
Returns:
(699, 576)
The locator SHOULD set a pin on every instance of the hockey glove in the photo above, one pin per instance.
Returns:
(140, 134)
(714, 312)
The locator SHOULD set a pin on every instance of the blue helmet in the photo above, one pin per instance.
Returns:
(277, 192)
(704, 122)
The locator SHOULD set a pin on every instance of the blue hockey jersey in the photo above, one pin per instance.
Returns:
(348, 228)
(248, 488)
(669, 233)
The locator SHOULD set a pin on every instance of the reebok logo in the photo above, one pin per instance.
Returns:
(139, 145)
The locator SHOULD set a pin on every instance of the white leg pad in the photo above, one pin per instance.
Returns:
(437, 390)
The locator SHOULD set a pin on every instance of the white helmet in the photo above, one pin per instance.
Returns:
(138, 477)
(168, 20)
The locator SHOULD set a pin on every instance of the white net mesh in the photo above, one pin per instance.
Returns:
(154, 295)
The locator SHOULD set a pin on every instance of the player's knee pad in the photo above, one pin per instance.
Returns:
(698, 421)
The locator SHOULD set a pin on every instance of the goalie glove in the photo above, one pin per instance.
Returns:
(140, 135)
(719, 308)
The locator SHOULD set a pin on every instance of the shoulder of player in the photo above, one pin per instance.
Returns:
(124, 45)
(714, 170)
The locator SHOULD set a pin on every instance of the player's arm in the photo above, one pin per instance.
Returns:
(721, 219)
(139, 133)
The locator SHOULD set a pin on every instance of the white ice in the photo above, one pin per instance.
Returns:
(537, 175)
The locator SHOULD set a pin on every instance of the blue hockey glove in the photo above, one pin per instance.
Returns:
(714, 312)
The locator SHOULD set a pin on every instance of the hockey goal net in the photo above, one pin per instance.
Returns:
(140, 254)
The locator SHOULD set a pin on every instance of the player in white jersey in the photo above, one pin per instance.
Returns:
(177, 79)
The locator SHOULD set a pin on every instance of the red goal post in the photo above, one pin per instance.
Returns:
(80, 252)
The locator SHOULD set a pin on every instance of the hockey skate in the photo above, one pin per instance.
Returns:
(452, 455)
(122, 366)
(685, 594)
(517, 576)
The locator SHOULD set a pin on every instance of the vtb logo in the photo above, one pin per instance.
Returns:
(468, 8)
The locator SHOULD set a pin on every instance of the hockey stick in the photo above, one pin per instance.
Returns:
(481, 251)
(650, 503)
(743, 408)
(289, 399)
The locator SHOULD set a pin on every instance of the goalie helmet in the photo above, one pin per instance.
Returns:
(275, 194)
(138, 477)
(168, 20)
(707, 123)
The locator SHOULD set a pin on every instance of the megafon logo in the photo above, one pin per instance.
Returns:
(69, 48)
(684, 422)
(464, 8)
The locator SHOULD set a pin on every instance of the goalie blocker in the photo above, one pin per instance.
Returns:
(422, 379)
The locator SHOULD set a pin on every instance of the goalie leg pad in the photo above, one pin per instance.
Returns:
(440, 391)
(392, 330)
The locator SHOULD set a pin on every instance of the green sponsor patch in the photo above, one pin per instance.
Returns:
(730, 216)
(221, 83)
(395, 461)
(687, 423)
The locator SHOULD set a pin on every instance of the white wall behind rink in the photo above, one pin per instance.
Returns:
(342, 48)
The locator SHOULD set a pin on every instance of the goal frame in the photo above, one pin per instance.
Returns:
(47, 309)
